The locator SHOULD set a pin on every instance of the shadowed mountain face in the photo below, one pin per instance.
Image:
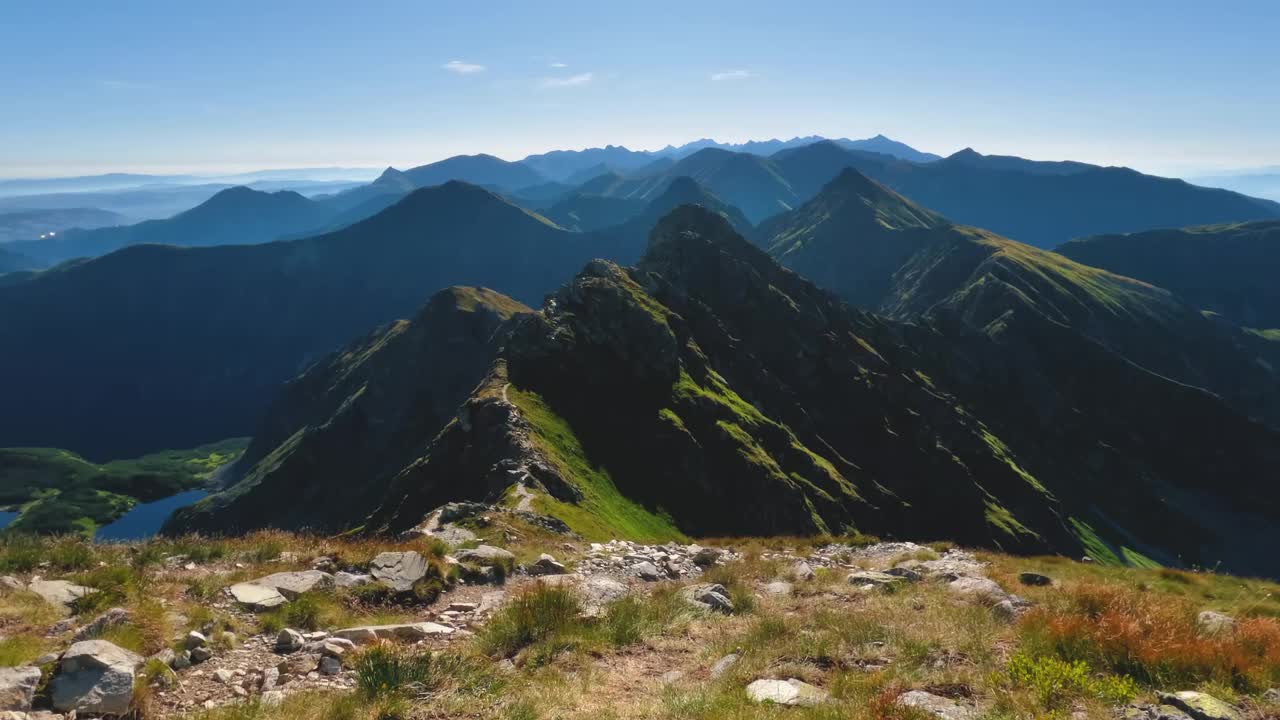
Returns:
(11, 261)
(154, 347)
(882, 252)
(709, 391)
(1231, 270)
(1042, 204)
(368, 411)
(237, 216)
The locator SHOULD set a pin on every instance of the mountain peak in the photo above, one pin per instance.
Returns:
(966, 155)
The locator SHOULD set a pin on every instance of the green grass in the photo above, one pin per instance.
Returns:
(604, 513)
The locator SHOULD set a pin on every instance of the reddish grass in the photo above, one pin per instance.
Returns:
(1153, 639)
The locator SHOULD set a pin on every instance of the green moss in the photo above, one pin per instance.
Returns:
(999, 517)
(604, 513)
(1101, 551)
(1001, 451)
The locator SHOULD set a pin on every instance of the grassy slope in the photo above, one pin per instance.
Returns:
(57, 491)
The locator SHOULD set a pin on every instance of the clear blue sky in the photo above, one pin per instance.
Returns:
(1170, 87)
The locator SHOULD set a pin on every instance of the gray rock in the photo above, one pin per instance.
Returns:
(10, 582)
(271, 698)
(110, 618)
(982, 588)
(872, 578)
(647, 571)
(348, 580)
(802, 571)
(330, 665)
(95, 677)
(48, 658)
(411, 632)
(708, 597)
(906, 573)
(1035, 579)
(199, 655)
(256, 597)
(786, 692)
(224, 676)
(181, 661)
(778, 587)
(706, 557)
(59, 592)
(1141, 711)
(723, 664)
(545, 565)
(1272, 696)
(270, 676)
(598, 591)
(1201, 706)
(936, 705)
(293, 584)
(1215, 623)
(486, 555)
(289, 640)
(299, 664)
(18, 688)
(398, 570)
(195, 640)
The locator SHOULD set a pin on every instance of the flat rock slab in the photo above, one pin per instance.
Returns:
(1201, 706)
(293, 584)
(18, 688)
(95, 677)
(786, 692)
(256, 597)
(486, 555)
(59, 592)
(410, 632)
(398, 570)
(875, 578)
(936, 705)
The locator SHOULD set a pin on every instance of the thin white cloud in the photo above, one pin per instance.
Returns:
(733, 75)
(569, 81)
(462, 68)
(558, 65)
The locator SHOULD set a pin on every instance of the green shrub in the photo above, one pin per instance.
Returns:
(533, 616)
(1057, 682)
(308, 611)
(19, 650)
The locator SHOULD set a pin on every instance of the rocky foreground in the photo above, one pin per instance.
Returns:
(558, 626)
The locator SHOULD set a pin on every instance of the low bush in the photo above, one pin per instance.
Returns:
(533, 616)
(1056, 682)
(388, 670)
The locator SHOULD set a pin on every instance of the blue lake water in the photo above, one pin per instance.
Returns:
(7, 517)
(145, 519)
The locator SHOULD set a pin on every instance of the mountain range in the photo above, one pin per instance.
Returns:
(709, 391)
(1228, 269)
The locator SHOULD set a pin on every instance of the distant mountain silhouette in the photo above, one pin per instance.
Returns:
(11, 261)
(237, 216)
(1233, 270)
(477, 170)
(32, 224)
(568, 165)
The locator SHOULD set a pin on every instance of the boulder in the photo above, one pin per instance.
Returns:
(399, 570)
(199, 655)
(330, 665)
(708, 597)
(18, 688)
(9, 582)
(256, 597)
(545, 565)
(486, 555)
(906, 573)
(95, 677)
(195, 640)
(293, 584)
(410, 632)
(786, 692)
(59, 592)
(1034, 579)
(598, 591)
(289, 640)
(1215, 623)
(1201, 706)
(982, 588)
(299, 664)
(802, 571)
(935, 705)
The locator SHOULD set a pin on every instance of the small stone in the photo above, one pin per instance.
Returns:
(802, 571)
(778, 587)
(200, 654)
(723, 664)
(791, 692)
(708, 597)
(906, 573)
(181, 661)
(289, 640)
(1201, 706)
(330, 666)
(223, 676)
(1272, 696)
(873, 578)
(1215, 623)
(463, 607)
(706, 557)
(299, 664)
(647, 571)
(936, 705)
(1034, 579)
(270, 676)
(239, 691)
(545, 565)
(195, 640)
(486, 555)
